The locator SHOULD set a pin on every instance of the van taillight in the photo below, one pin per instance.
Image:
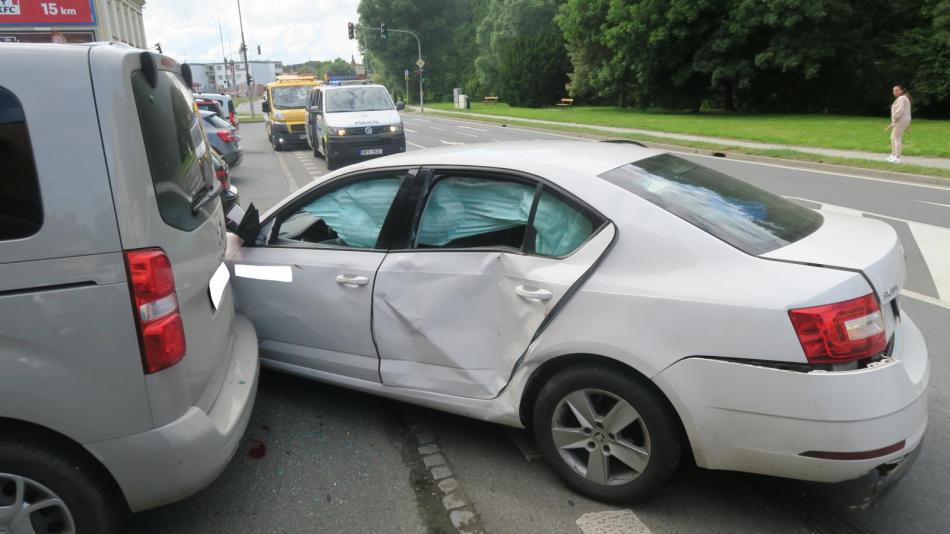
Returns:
(233, 119)
(161, 332)
(840, 332)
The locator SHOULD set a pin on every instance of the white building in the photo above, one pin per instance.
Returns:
(219, 77)
(99, 20)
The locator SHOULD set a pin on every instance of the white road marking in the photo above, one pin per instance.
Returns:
(444, 142)
(413, 144)
(435, 128)
(463, 133)
(925, 298)
(935, 203)
(496, 140)
(612, 522)
(471, 128)
(408, 130)
(286, 170)
(934, 244)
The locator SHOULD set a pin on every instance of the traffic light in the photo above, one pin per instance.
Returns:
(350, 29)
(382, 30)
(258, 49)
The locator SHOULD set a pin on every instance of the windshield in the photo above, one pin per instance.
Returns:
(358, 99)
(290, 97)
(748, 218)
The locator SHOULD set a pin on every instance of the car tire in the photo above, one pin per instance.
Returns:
(37, 473)
(598, 463)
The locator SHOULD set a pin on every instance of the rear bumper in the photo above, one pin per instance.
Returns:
(172, 462)
(761, 420)
(350, 147)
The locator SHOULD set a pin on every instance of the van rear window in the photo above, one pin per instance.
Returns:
(176, 147)
(21, 211)
(748, 218)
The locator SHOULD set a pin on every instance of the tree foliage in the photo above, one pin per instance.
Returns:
(321, 68)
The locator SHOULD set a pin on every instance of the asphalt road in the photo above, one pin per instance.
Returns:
(339, 461)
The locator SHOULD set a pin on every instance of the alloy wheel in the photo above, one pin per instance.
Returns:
(28, 507)
(601, 437)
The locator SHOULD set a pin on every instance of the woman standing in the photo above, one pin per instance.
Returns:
(900, 121)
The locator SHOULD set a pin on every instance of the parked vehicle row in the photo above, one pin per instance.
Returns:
(628, 306)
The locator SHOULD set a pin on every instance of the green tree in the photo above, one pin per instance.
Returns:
(521, 52)
(925, 50)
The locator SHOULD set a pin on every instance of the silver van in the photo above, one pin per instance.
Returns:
(126, 378)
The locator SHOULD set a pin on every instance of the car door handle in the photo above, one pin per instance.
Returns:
(533, 293)
(351, 281)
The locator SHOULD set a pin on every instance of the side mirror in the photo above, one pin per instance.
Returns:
(400, 106)
(245, 225)
(265, 107)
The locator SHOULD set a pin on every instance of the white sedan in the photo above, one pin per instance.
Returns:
(629, 306)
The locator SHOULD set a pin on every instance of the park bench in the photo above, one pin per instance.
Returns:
(566, 102)
(490, 100)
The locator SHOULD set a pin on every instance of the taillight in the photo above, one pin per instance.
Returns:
(161, 332)
(224, 179)
(840, 332)
(227, 136)
(233, 119)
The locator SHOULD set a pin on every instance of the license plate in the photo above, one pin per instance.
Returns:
(371, 152)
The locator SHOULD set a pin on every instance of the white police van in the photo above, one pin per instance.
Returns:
(347, 123)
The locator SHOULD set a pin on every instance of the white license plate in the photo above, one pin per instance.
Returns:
(217, 284)
(371, 152)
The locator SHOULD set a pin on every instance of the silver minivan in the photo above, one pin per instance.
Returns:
(126, 377)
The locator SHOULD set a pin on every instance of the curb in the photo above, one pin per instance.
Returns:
(916, 179)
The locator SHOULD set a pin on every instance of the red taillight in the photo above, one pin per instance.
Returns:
(161, 332)
(233, 119)
(227, 136)
(840, 332)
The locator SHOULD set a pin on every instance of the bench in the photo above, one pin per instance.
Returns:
(490, 100)
(566, 102)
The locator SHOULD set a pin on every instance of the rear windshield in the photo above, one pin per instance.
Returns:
(175, 143)
(218, 122)
(210, 106)
(748, 218)
(358, 99)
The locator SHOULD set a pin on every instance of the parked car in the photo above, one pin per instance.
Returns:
(229, 194)
(227, 106)
(347, 123)
(126, 377)
(205, 104)
(223, 137)
(626, 304)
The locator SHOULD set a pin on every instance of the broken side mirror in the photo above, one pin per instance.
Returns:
(245, 225)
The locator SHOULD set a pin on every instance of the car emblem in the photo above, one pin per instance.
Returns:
(369, 130)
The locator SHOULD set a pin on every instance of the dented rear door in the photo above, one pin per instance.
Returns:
(455, 312)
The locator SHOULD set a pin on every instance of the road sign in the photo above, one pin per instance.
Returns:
(36, 13)
(420, 63)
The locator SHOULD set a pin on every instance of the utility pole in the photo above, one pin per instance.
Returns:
(383, 30)
(224, 55)
(247, 69)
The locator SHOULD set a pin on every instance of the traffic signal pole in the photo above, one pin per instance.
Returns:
(420, 63)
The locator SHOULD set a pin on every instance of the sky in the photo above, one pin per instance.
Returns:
(291, 31)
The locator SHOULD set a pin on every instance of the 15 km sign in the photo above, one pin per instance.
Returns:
(43, 13)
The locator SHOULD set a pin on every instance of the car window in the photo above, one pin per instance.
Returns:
(358, 99)
(210, 106)
(218, 122)
(349, 216)
(750, 219)
(559, 228)
(176, 148)
(290, 97)
(466, 212)
(21, 210)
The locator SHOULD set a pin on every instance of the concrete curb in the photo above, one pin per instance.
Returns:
(827, 167)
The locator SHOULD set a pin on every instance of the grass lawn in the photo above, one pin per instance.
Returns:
(926, 138)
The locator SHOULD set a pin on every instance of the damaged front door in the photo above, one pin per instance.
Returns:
(308, 290)
(492, 256)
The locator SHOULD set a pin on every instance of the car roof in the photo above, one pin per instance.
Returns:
(544, 158)
(335, 87)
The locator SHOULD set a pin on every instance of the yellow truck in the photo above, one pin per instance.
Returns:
(285, 109)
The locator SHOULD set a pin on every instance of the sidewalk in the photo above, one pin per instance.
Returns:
(854, 154)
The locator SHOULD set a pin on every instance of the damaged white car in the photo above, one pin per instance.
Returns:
(627, 305)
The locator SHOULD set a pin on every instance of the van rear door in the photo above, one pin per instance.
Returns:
(159, 160)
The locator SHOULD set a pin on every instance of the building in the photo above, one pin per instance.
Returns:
(73, 21)
(231, 77)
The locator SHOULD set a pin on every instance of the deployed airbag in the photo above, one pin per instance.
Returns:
(560, 228)
(465, 207)
(356, 212)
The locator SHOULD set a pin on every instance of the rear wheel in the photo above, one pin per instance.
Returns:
(607, 435)
(43, 490)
